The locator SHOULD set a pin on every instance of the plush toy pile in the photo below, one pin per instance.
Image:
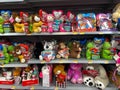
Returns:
(57, 21)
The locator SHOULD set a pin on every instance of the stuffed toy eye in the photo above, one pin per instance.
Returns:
(89, 68)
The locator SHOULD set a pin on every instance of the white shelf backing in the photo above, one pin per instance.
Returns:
(82, 60)
(61, 33)
(69, 86)
(15, 64)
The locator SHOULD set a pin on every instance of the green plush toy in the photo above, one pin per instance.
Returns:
(11, 52)
(106, 51)
(92, 52)
(88, 52)
(1, 24)
(6, 55)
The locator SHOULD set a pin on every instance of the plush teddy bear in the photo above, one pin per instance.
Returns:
(48, 53)
(74, 73)
(63, 51)
(95, 75)
(60, 73)
(75, 50)
(18, 54)
(17, 71)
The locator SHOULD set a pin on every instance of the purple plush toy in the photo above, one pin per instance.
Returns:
(75, 74)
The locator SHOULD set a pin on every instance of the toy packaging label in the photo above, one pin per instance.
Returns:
(8, 82)
(92, 73)
(30, 82)
(86, 22)
(104, 22)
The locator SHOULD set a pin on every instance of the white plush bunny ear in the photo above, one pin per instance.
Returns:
(57, 13)
(114, 43)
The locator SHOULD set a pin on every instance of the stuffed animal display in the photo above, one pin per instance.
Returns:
(74, 73)
(63, 51)
(95, 75)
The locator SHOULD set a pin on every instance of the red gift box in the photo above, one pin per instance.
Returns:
(30, 82)
(8, 82)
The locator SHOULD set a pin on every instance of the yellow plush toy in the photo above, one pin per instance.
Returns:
(18, 26)
(37, 24)
(116, 13)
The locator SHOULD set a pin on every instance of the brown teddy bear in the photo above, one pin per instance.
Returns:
(75, 50)
(28, 69)
(17, 71)
(60, 73)
(63, 51)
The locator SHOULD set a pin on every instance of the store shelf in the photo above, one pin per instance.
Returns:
(13, 34)
(15, 64)
(69, 86)
(82, 60)
(77, 33)
(61, 33)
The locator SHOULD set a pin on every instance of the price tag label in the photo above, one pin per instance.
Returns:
(42, 62)
(56, 88)
(29, 34)
(3, 65)
(13, 87)
(90, 61)
(82, 33)
(61, 61)
(32, 88)
(106, 62)
(100, 32)
(75, 61)
(75, 33)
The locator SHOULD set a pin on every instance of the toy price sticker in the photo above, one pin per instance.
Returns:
(82, 33)
(32, 88)
(2, 65)
(101, 33)
(90, 61)
(75, 61)
(106, 61)
(75, 33)
(42, 62)
(13, 87)
(56, 88)
(29, 34)
(61, 61)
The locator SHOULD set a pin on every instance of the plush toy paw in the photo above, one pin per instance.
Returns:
(89, 81)
(73, 80)
(22, 60)
(66, 57)
(99, 85)
(58, 56)
(40, 57)
(79, 80)
(68, 77)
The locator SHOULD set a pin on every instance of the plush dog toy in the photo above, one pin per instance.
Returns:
(63, 51)
(75, 74)
(48, 53)
(95, 75)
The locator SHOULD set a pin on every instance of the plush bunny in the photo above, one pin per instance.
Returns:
(74, 73)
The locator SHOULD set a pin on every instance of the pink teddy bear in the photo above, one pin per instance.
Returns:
(75, 74)
(117, 58)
